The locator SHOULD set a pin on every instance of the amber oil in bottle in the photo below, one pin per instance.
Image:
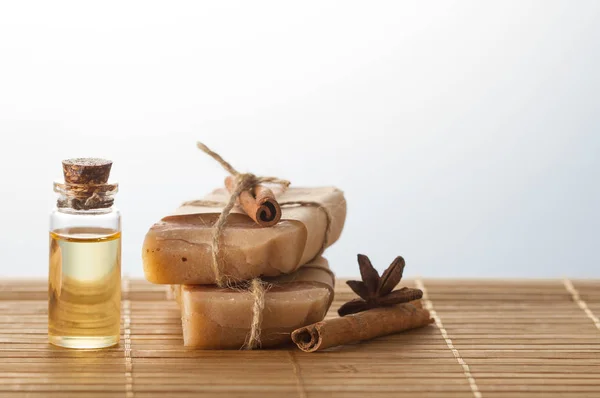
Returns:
(84, 284)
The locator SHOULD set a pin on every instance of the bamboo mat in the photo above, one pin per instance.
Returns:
(491, 339)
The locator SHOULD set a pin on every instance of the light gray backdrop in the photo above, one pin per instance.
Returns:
(466, 135)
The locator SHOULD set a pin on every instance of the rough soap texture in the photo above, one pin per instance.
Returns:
(177, 250)
(214, 318)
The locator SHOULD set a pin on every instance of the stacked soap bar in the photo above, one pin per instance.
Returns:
(220, 318)
(178, 251)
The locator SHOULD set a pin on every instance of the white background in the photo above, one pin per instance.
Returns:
(466, 135)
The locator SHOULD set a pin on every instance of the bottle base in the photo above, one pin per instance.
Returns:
(84, 342)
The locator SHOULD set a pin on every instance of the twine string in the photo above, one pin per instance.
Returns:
(241, 185)
(243, 182)
(93, 200)
(257, 288)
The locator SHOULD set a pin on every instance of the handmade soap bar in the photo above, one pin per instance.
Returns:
(177, 250)
(220, 318)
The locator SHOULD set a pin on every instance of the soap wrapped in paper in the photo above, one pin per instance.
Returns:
(178, 249)
(220, 318)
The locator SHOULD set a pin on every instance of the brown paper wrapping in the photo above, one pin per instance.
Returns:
(177, 250)
(220, 318)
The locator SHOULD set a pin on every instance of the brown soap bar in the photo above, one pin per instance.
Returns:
(220, 318)
(177, 250)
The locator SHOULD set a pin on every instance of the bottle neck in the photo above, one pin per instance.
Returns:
(85, 212)
(85, 198)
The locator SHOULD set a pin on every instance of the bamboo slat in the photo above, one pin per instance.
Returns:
(492, 338)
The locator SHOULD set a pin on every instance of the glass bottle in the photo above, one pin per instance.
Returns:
(84, 283)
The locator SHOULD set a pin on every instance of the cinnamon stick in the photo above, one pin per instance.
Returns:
(361, 326)
(259, 203)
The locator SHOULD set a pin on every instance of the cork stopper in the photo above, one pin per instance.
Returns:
(86, 170)
(86, 184)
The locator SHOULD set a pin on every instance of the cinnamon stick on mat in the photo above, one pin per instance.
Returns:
(260, 203)
(361, 326)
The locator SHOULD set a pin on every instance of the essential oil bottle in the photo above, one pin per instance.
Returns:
(84, 284)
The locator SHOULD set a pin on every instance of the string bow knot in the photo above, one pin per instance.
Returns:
(256, 287)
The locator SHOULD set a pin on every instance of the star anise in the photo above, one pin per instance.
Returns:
(376, 291)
